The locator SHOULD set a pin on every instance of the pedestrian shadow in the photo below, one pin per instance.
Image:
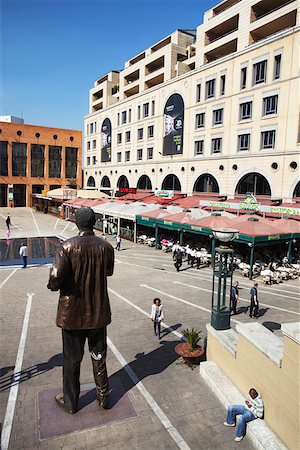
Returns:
(262, 312)
(7, 380)
(272, 326)
(242, 310)
(170, 329)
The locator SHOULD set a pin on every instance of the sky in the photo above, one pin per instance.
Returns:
(51, 52)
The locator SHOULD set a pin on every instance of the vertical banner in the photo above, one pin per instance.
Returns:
(173, 126)
(106, 141)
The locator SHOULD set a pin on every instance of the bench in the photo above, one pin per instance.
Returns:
(258, 432)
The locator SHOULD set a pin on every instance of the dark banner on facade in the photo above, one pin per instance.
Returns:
(173, 125)
(106, 141)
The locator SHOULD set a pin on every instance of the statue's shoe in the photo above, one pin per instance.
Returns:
(103, 401)
(59, 398)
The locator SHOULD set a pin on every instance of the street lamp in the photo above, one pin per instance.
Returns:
(222, 269)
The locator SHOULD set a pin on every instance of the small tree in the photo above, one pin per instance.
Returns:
(192, 336)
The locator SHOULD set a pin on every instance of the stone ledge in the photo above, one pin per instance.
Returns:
(292, 330)
(258, 432)
(263, 339)
(228, 338)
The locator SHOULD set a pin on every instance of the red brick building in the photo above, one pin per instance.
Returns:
(35, 158)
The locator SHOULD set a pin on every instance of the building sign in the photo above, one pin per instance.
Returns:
(173, 126)
(250, 203)
(163, 193)
(127, 190)
(106, 141)
(252, 207)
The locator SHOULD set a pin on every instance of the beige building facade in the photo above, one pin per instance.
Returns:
(212, 110)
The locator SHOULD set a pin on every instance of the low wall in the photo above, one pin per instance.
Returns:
(252, 356)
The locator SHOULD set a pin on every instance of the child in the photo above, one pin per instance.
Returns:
(157, 316)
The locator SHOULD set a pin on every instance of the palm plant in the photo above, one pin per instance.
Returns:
(192, 336)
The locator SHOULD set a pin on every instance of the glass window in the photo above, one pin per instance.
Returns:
(54, 161)
(119, 157)
(200, 120)
(150, 153)
(259, 72)
(139, 112)
(37, 160)
(153, 107)
(88, 145)
(118, 119)
(94, 143)
(210, 89)
(268, 139)
(140, 133)
(129, 115)
(91, 128)
(124, 117)
(87, 129)
(94, 160)
(119, 138)
(3, 159)
(277, 67)
(140, 154)
(218, 116)
(222, 84)
(270, 105)
(95, 127)
(199, 147)
(145, 109)
(150, 131)
(127, 156)
(71, 162)
(243, 142)
(243, 77)
(245, 110)
(216, 145)
(127, 136)
(198, 93)
(88, 161)
(19, 159)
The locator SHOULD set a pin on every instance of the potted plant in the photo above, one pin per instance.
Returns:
(190, 351)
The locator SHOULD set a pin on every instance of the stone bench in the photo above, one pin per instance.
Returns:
(258, 432)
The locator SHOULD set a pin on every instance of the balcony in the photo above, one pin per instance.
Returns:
(154, 81)
(223, 6)
(131, 91)
(97, 95)
(265, 7)
(132, 77)
(221, 30)
(137, 58)
(273, 27)
(97, 106)
(219, 52)
(161, 44)
(155, 65)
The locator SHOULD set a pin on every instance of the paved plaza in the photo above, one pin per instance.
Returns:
(156, 402)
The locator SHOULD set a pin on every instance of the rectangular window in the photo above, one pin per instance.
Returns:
(222, 84)
(198, 93)
(216, 145)
(268, 139)
(94, 143)
(55, 161)
(139, 155)
(87, 129)
(19, 159)
(71, 162)
(124, 117)
(145, 109)
(139, 112)
(270, 105)
(245, 110)
(153, 107)
(94, 160)
(210, 89)
(243, 77)
(37, 160)
(127, 136)
(199, 147)
(119, 157)
(259, 72)
(91, 128)
(88, 161)
(88, 145)
(218, 116)
(140, 133)
(277, 67)
(150, 153)
(127, 156)
(119, 138)
(118, 120)
(243, 142)
(129, 115)
(3, 159)
(95, 127)
(150, 131)
(200, 120)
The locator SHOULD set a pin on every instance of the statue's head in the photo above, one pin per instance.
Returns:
(85, 218)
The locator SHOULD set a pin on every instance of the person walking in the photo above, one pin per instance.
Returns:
(234, 296)
(118, 242)
(253, 409)
(80, 270)
(254, 301)
(24, 253)
(157, 315)
(175, 250)
(8, 222)
(178, 260)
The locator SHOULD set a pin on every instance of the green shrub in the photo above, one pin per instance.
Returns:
(192, 336)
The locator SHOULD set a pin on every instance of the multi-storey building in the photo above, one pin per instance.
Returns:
(35, 159)
(210, 110)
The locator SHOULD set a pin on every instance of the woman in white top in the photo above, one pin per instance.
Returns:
(157, 316)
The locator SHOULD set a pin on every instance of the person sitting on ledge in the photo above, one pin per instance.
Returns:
(253, 409)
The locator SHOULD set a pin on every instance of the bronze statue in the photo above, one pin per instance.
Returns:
(80, 271)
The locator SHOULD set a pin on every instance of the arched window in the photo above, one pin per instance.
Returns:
(253, 183)
(122, 182)
(297, 190)
(206, 183)
(144, 182)
(171, 183)
(105, 182)
(91, 182)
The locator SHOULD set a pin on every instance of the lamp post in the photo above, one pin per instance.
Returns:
(222, 270)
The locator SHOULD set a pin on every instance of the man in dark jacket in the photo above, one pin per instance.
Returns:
(80, 271)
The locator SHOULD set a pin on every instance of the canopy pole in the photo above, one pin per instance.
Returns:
(180, 237)
(251, 261)
(213, 246)
(289, 253)
(156, 236)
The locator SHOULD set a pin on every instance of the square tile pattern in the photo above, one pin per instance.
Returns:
(54, 422)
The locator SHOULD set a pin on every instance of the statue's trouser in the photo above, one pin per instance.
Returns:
(73, 350)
